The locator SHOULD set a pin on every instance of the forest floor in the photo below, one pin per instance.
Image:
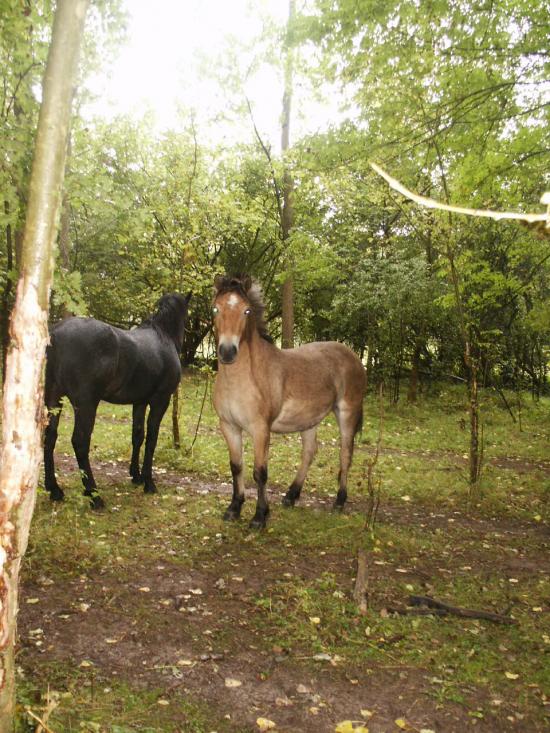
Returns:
(155, 615)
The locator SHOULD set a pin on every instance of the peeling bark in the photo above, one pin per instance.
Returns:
(23, 410)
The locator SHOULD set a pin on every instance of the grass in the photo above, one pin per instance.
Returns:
(303, 564)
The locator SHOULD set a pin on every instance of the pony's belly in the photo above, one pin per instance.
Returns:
(298, 415)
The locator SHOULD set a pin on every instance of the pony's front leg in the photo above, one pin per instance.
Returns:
(156, 413)
(234, 439)
(260, 436)
(138, 436)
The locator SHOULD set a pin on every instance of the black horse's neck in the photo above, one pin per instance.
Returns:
(170, 318)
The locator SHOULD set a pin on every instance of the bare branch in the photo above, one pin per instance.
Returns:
(432, 204)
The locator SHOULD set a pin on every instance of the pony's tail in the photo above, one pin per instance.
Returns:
(359, 423)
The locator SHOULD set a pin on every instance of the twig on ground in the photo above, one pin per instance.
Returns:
(42, 725)
(427, 606)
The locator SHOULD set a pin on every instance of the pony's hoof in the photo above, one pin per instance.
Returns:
(97, 502)
(57, 494)
(137, 479)
(230, 515)
(288, 501)
(257, 523)
(338, 508)
(150, 489)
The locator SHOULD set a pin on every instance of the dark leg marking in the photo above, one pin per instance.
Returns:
(233, 511)
(292, 495)
(262, 507)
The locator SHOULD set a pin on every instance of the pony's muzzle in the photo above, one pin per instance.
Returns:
(227, 353)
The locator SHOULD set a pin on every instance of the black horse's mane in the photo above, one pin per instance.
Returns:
(168, 318)
(250, 290)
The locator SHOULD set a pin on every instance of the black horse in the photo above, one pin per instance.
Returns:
(89, 361)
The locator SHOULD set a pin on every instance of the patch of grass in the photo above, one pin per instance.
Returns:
(89, 703)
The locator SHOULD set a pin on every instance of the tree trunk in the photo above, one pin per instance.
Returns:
(22, 411)
(7, 294)
(412, 393)
(287, 339)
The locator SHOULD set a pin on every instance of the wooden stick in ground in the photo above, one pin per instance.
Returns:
(361, 590)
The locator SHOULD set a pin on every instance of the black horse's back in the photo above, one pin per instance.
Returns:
(89, 361)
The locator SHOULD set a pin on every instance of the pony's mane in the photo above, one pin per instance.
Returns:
(169, 318)
(251, 291)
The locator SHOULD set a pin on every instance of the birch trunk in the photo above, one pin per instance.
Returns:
(22, 409)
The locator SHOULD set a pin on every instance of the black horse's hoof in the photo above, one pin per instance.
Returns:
(57, 494)
(97, 502)
(288, 501)
(150, 489)
(137, 479)
(338, 508)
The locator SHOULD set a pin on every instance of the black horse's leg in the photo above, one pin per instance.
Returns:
(261, 449)
(138, 435)
(84, 419)
(309, 449)
(50, 439)
(156, 413)
(234, 439)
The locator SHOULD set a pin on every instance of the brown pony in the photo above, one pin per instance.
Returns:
(261, 389)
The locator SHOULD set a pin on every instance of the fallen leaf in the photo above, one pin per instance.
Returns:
(32, 601)
(511, 675)
(230, 682)
(401, 723)
(265, 724)
(346, 726)
(366, 713)
(315, 620)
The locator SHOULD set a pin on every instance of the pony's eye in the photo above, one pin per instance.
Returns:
(247, 312)
(214, 309)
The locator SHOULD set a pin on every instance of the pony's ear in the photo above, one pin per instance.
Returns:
(218, 281)
(246, 282)
(188, 297)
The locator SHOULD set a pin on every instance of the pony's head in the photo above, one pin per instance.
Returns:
(237, 309)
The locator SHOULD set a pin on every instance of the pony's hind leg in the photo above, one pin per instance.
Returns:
(138, 436)
(84, 419)
(349, 419)
(309, 449)
(50, 438)
(234, 439)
